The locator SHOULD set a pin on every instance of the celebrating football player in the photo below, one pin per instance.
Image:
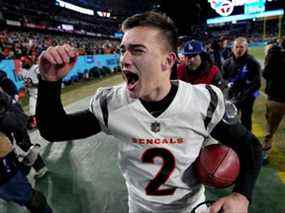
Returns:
(162, 124)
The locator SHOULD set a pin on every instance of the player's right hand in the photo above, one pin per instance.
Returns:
(56, 62)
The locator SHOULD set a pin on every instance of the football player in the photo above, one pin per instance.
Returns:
(162, 124)
(30, 72)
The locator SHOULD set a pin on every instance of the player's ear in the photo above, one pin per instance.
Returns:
(169, 61)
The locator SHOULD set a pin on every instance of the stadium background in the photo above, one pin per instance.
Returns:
(84, 177)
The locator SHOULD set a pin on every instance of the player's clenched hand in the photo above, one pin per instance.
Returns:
(234, 202)
(56, 62)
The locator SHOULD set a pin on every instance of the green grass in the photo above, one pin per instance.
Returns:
(82, 89)
(258, 52)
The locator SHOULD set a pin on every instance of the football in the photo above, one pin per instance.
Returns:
(217, 165)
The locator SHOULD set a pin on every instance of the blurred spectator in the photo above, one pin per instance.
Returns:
(13, 123)
(216, 50)
(274, 75)
(220, 50)
(198, 67)
(30, 72)
(242, 74)
(14, 186)
(107, 48)
(8, 85)
(226, 51)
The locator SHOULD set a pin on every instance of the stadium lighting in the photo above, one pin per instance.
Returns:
(226, 7)
(67, 27)
(232, 18)
(104, 14)
(75, 8)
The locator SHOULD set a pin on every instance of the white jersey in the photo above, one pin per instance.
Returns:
(31, 73)
(156, 151)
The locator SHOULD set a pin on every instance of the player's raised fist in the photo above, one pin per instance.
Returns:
(56, 62)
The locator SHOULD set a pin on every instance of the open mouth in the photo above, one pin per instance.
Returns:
(132, 79)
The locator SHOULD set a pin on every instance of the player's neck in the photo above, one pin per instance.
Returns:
(156, 108)
(158, 94)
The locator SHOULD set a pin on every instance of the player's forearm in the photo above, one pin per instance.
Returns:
(251, 161)
(54, 123)
(249, 151)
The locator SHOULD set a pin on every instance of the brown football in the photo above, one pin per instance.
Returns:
(217, 165)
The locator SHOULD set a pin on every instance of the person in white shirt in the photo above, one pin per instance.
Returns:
(30, 73)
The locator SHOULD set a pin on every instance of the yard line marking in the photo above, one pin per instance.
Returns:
(277, 158)
(263, 94)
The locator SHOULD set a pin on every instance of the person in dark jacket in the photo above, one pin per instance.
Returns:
(14, 185)
(226, 51)
(8, 85)
(13, 124)
(198, 67)
(274, 76)
(242, 75)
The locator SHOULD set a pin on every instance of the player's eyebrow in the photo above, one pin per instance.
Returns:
(132, 46)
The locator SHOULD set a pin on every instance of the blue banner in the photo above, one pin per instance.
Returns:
(82, 65)
(85, 63)
(9, 67)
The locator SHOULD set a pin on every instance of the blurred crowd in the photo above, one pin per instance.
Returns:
(27, 13)
(15, 44)
(227, 63)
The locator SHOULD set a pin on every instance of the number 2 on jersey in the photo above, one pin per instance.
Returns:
(165, 171)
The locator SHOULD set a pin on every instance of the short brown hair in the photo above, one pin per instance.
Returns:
(155, 20)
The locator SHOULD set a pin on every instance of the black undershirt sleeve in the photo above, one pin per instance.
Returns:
(53, 122)
(248, 148)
